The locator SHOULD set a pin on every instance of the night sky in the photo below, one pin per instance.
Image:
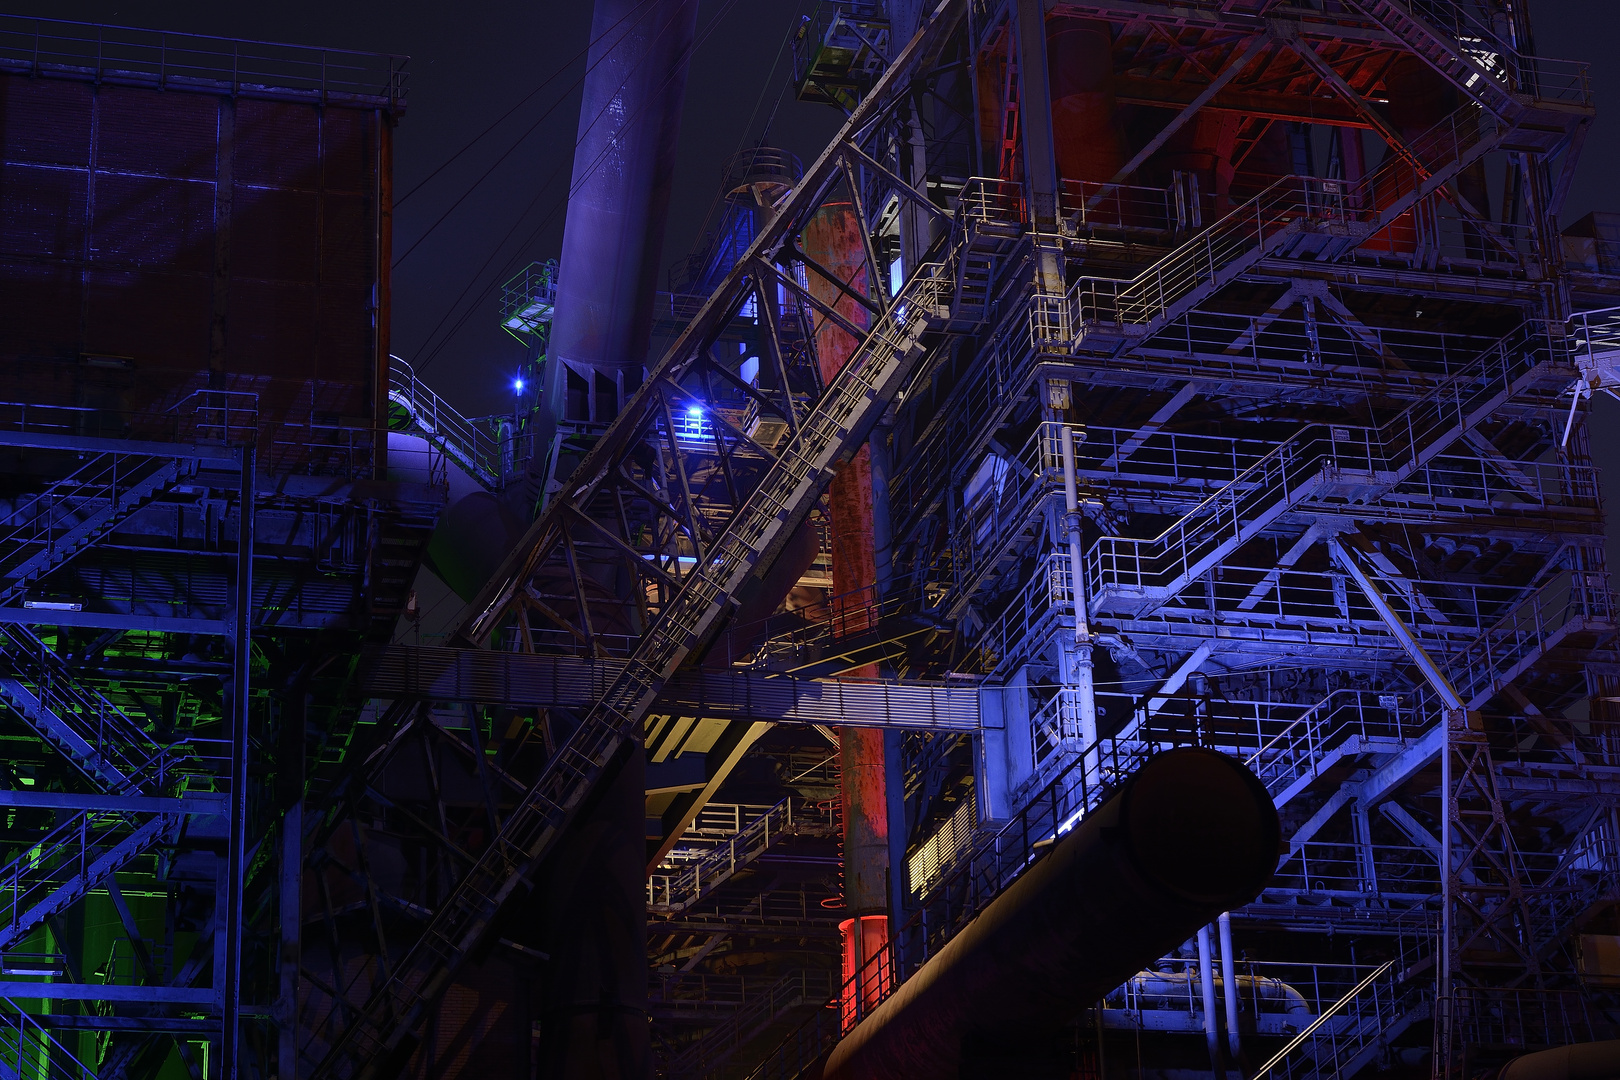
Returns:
(472, 62)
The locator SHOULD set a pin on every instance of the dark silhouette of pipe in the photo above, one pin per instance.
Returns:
(1190, 835)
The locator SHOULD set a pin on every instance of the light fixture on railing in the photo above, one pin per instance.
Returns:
(43, 604)
(517, 385)
(20, 963)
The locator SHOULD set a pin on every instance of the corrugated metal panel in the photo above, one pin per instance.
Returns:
(158, 319)
(298, 300)
(45, 121)
(274, 233)
(157, 133)
(277, 145)
(40, 319)
(153, 222)
(346, 145)
(42, 211)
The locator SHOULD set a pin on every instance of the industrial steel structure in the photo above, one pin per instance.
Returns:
(1099, 570)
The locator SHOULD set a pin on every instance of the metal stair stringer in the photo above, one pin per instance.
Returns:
(51, 876)
(1125, 574)
(1309, 746)
(54, 550)
(833, 431)
(1415, 23)
(106, 745)
(1296, 217)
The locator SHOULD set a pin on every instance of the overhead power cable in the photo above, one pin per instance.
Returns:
(524, 100)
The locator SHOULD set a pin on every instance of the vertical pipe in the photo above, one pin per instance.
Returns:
(291, 905)
(1081, 675)
(1229, 987)
(1206, 984)
(1443, 1021)
(834, 238)
(236, 851)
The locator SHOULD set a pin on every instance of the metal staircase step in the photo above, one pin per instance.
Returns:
(1131, 575)
(91, 486)
(56, 873)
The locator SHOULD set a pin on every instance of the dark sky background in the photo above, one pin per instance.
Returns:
(471, 62)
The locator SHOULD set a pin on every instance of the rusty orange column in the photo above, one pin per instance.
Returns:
(833, 239)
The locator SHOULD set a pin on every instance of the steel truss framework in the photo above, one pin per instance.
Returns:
(1279, 468)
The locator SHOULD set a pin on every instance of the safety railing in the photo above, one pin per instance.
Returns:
(29, 1050)
(1339, 870)
(1522, 1018)
(1439, 234)
(473, 447)
(705, 992)
(984, 871)
(1044, 602)
(1008, 500)
(1373, 1009)
(1460, 30)
(67, 862)
(1567, 600)
(1289, 205)
(1276, 997)
(1089, 207)
(165, 58)
(682, 888)
(50, 525)
(753, 1015)
(1452, 484)
(954, 441)
(988, 203)
(133, 762)
(529, 298)
(1377, 720)
(1377, 457)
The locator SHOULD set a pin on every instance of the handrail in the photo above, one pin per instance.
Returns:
(1310, 1029)
(1402, 443)
(168, 58)
(686, 886)
(474, 448)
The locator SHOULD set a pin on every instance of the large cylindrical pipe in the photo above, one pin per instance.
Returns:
(833, 239)
(1191, 834)
(1582, 1061)
(613, 236)
(1086, 133)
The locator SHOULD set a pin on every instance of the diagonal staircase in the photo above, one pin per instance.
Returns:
(759, 1018)
(111, 749)
(838, 424)
(113, 752)
(1350, 1035)
(1323, 463)
(470, 445)
(75, 857)
(671, 893)
(1346, 723)
(78, 510)
(1297, 217)
(1435, 31)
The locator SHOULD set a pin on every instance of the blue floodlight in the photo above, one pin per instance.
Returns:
(694, 413)
(517, 386)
